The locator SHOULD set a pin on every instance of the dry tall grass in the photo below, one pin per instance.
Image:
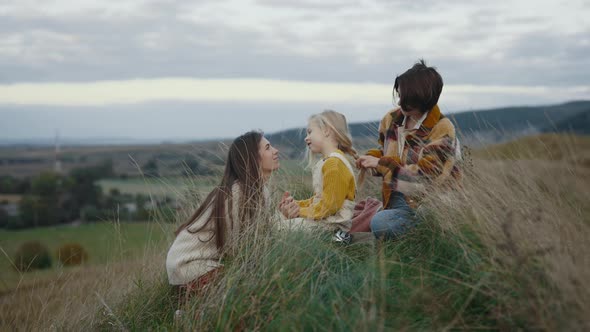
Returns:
(529, 203)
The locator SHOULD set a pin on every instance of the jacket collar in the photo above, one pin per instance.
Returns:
(434, 115)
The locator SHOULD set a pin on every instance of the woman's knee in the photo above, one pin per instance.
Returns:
(380, 220)
(381, 223)
(392, 223)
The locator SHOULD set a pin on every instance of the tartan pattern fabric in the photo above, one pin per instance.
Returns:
(428, 155)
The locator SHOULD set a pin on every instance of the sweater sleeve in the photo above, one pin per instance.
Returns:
(305, 202)
(336, 182)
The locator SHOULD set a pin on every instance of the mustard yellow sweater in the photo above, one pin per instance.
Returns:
(338, 185)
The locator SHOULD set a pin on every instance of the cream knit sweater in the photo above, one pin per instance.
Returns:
(194, 254)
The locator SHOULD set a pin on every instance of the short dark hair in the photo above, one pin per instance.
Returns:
(419, 87)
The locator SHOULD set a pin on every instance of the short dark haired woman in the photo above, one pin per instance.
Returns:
(418, 148)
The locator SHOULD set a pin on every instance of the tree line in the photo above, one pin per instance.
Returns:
(51, 199)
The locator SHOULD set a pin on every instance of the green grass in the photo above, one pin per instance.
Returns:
(105, 243)
(430, 280)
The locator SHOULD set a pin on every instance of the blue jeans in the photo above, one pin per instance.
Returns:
(396, 220)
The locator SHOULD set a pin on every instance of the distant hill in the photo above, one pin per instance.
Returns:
(504, 124)
(575, 149)
(481, 127)
(578, 123)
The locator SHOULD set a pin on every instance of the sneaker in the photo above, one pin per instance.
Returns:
(178, 316)
(341, 236)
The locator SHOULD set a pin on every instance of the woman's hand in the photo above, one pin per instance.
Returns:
(288, 207)
(367, 162)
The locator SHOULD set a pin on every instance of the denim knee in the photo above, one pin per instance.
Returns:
(392, 223)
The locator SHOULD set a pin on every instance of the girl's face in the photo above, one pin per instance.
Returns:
(315, 137)
(269, 157)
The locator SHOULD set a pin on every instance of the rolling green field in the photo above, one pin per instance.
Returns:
(177, 187)
(105, 243)
(172, 187)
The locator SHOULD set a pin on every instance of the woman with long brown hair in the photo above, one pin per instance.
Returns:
(226, 212)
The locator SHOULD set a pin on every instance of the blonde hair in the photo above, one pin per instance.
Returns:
(336, 123)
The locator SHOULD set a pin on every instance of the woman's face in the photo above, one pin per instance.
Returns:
(408, 111)
(413, 113)
(269, 157)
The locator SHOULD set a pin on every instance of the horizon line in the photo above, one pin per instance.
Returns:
(136, 91)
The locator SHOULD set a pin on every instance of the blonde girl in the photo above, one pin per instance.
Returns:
(333, 178)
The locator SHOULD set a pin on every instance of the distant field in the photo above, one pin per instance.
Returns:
(177, 186)
(172, 187)
(105, 243)
(127, 159)
(10, 198)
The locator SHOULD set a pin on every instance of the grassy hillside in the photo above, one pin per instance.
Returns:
(507, 252)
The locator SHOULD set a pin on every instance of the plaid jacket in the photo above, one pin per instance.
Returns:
(428, 157)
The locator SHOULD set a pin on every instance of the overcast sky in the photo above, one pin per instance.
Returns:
(201, 69)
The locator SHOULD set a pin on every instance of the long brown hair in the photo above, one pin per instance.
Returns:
(242, 167)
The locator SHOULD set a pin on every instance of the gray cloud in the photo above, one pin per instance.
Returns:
(310, 4)
(334, 41)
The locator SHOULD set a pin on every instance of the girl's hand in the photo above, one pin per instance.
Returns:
(285, 197)
(288, 207)
(367, 162)
(292, 210)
